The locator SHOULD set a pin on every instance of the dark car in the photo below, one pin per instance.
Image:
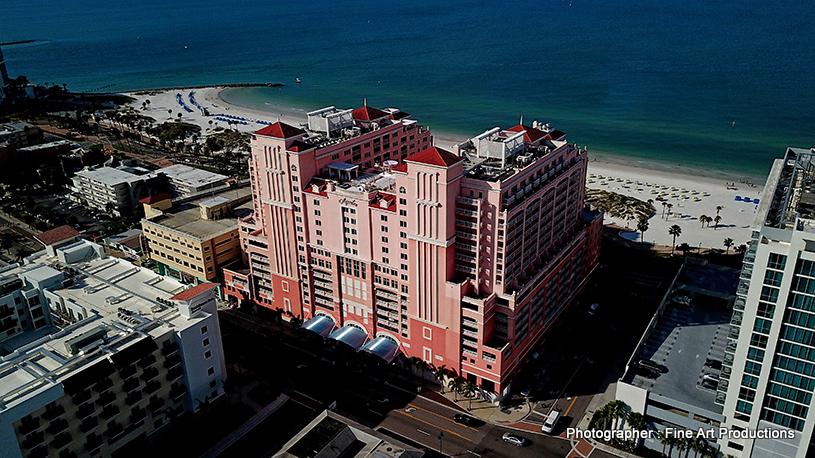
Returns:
(465, 420)
(714, 364)
(646, 372)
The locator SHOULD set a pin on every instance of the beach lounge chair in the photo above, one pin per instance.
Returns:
(747, 199)
(738, 198)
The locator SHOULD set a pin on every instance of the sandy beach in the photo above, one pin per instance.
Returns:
(690, 195)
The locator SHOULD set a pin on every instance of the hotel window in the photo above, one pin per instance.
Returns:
(207, 354)
(384, 239)
(404, 267)
(383, 217)
(384, 228)
(402, 201)
(316, 202)
(384, 249)
(402, 223)
(403, 235)
(319, 232)
(203, 329)
(404, 256)
(386, 261)
(316, 212)
(402, 212)
(403, 245)
(210, 371)
(402, 190)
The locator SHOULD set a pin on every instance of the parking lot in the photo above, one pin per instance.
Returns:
(62, 211)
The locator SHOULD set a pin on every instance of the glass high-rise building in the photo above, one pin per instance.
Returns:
(768, 377)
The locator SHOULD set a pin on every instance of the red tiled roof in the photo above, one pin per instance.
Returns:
(194, 291)
(298, 146)
(56, 235)
(400, 168)
(154, 199)
(435, 156)
(367, 113)
(532, 135)
(280, 130)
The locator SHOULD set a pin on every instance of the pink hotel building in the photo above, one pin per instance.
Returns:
(382, 241)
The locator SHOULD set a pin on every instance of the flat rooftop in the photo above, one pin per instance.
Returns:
(186, 216)
(683, 339)
(111, 176)
(191, 175)
(120, 299)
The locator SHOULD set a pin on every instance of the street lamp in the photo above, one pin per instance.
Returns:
(441, 435)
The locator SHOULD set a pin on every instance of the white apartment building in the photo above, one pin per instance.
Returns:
(123, 352)
(184, 181)
(768, 376)
(118, 187)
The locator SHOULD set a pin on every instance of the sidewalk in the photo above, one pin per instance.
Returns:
(512, 416)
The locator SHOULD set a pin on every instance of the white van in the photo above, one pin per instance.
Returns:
(551, 421)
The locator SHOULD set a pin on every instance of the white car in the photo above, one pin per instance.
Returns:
(514, 439)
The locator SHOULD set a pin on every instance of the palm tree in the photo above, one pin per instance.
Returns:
(456, 384)
(439, 375)
(642, 226)
(702, 219)
(717, 220)
(664, 205)
(718, 209)
(741, 249)
(698, 445)
(636, 421)
(670, 206)
(665, 440)
(728, 242)
(675, 231)
(681, 444)
(618, 409)
(469, 390)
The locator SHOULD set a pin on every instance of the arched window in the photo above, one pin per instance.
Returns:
(294, 168)
(402, 190)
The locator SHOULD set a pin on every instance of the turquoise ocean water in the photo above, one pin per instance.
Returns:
(654, 84)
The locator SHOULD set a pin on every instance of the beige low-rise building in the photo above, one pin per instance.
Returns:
(192, 239)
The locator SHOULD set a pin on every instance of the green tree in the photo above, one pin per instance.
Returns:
(717, 220)
(642, 226)
(741, 249)
(698, 446)
(456, 384)
(440, 374)
(664, 440)
(703, 219)
(618, 409)
(728, 242)
(6, 244)
(670, 207)
(675, 231)
(469, 390)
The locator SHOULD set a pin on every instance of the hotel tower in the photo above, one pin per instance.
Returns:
(378, 239)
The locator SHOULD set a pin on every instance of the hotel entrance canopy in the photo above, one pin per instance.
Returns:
(350, 335)
(322, 325)
(382, 347)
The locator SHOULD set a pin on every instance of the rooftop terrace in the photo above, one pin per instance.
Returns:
(186, 216)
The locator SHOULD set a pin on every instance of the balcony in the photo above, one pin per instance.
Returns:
(467, 235)
(34, 440)
(106, 399)
(169, 348)
(468, 200)
(89, 425)
(465, 212)
(153, 386)
(61, 441)
(109, 412)
(176, 391)
(85, 410)
(172, 361)
(128, 371)
(469, 224)
(387, 294)
(93, 444)
(131, 384)
(147, 361)
(57, 427)
(134, 398)
(103, 385)
(82, 397)
(54, 413)
(156, 405)
(464, 257)
(29, 426)
(322, 284)
(149, 374)
(174, 374)
(465, 269)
